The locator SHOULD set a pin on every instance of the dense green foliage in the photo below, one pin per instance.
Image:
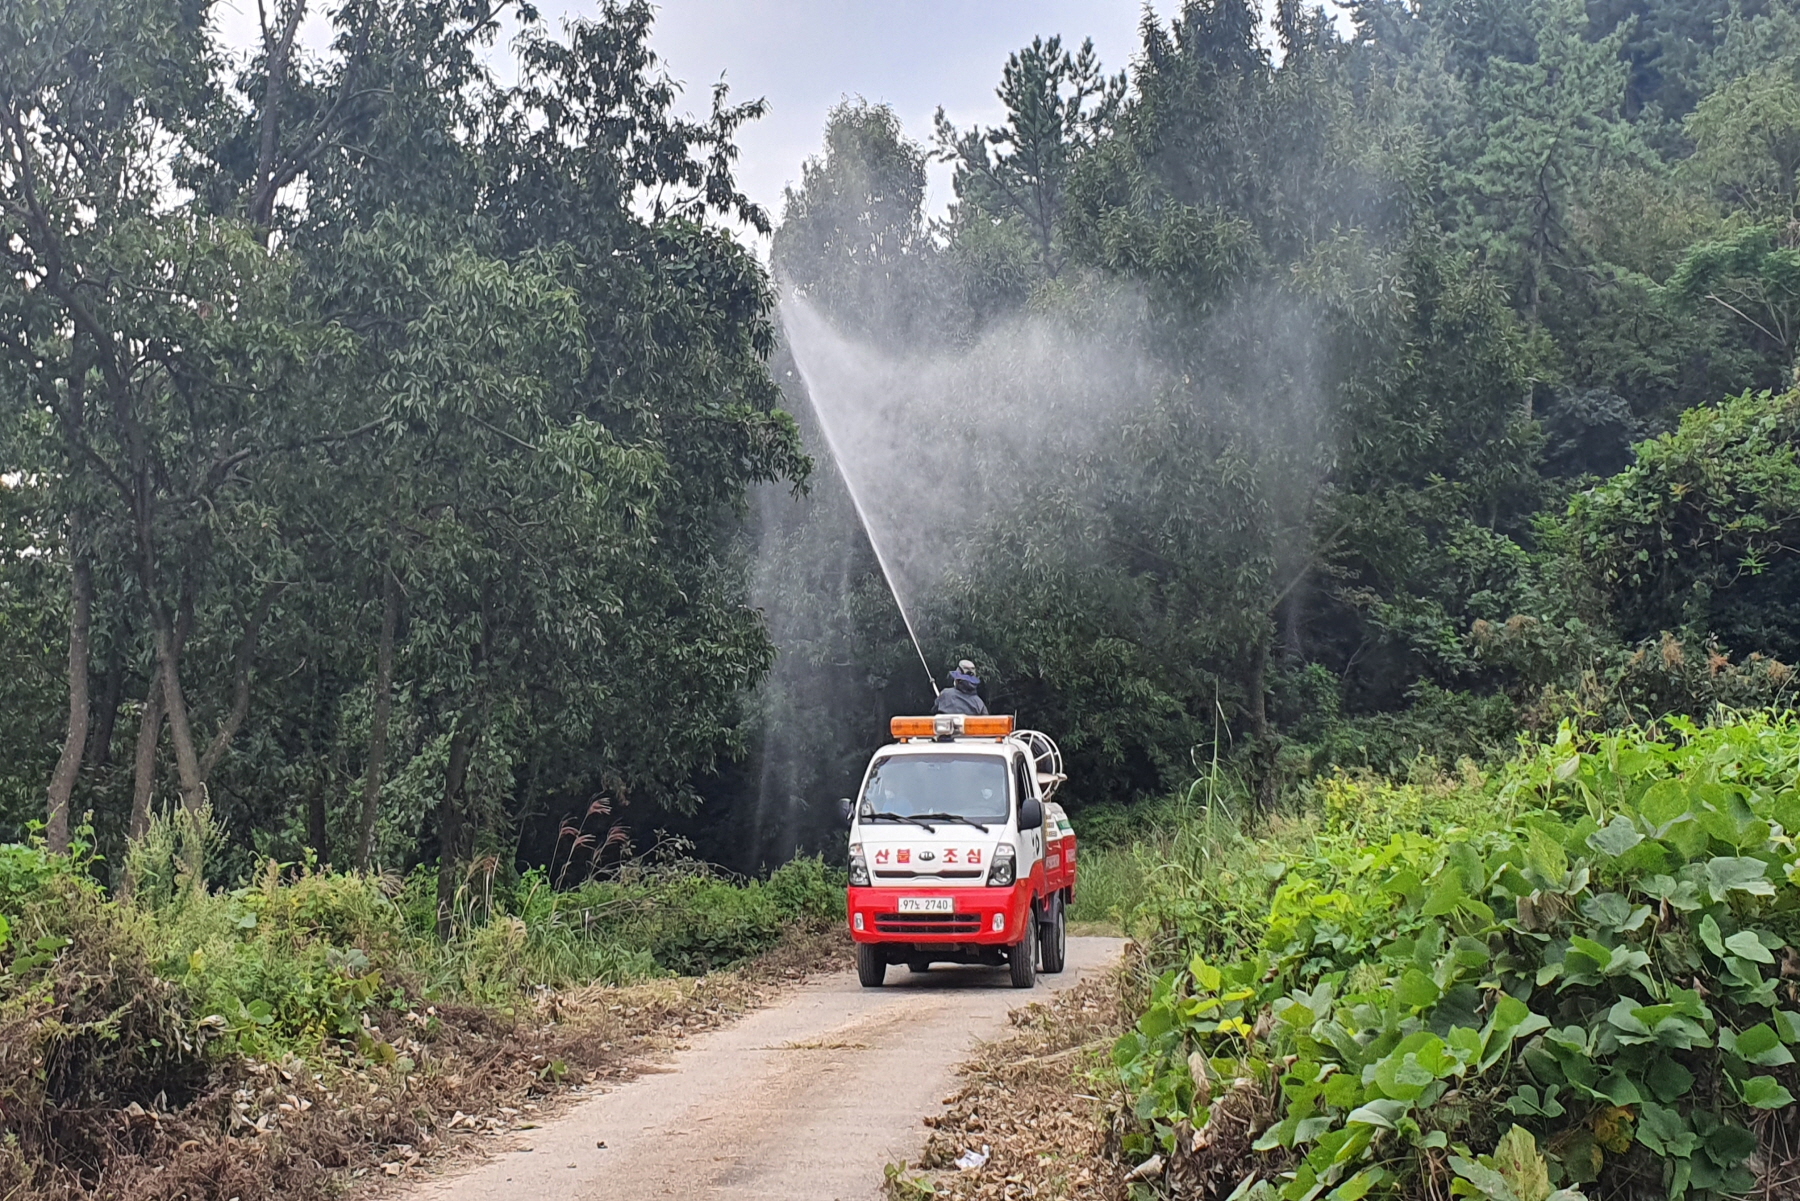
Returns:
(1575, 974)
(373, 430)
(1404, 296)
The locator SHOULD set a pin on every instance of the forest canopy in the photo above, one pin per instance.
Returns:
(371, 427)
(399, 460)
(1467, 333)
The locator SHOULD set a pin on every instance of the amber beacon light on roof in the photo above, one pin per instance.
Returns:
(950, 725)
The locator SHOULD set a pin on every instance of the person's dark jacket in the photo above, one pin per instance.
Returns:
(955, 700)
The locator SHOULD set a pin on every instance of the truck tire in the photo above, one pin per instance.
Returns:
(871, 965)
(1021, 957)
(1055, 932)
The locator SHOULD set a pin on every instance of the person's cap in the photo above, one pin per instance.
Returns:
(966, 667)
(965, 673)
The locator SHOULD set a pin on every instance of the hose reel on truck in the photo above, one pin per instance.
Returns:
(1046, 758)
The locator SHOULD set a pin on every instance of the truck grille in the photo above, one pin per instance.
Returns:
(951, 874)
(928, 923)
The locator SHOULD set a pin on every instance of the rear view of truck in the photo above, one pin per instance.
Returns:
(957, 853)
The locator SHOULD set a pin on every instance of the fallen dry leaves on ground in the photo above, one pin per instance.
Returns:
(1038, 1100)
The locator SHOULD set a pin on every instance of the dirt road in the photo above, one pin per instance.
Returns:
(802, 1101)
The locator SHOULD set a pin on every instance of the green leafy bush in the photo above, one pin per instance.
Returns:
(290, 964)
(690, 919)
(1581, 968)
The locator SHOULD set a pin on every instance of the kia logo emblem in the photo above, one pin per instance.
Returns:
(928, 855)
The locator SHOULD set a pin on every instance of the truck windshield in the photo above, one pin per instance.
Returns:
(964, 786)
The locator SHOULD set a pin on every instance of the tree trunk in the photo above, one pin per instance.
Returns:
(150, 734)
(278, 48)
(240, 701)
(316, 835)
(143, 784)
(106, 713)
(68, 764)
(1293, 634)
(451, 824)
(378, 725)
(1262, 741)
(187, 763)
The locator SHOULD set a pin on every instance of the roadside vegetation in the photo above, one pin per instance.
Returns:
(1571, 975)
(267, 1039)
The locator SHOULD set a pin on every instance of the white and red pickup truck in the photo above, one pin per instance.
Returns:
(957, 853)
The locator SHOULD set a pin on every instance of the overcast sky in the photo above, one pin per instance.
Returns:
(803, 56)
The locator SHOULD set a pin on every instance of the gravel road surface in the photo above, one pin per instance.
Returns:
(802, 1101)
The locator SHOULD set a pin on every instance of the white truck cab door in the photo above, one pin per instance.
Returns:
(1031, 838)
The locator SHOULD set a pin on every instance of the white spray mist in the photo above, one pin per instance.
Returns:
(935, 446)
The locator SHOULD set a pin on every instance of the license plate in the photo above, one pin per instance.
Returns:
(927, 905)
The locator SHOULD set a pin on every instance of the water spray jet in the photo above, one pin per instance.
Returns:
(832, 440)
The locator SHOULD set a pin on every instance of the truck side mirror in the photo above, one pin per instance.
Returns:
(845, 808)
(1031, 813)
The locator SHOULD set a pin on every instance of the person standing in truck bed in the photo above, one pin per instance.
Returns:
(961, 696)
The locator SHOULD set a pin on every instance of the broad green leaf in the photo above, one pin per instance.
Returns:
(1761, 1046)
(1616, 837)
(1618, 1088)
(1728, 1143)
(1157, 1020)
(1677, 894)
(1668, 1079)
(1726, 874)
(1664, 803)
(1447, 897)
(1205, 975)
(1492, 1184)
(1747, 944)
(1358, 1186)
(1545, 858)
(1384, 1112)
(1629, 1018)
(1678, 1033)
(1765, 1092)
(1598, 952)
(1626, 958)
(1417, 989)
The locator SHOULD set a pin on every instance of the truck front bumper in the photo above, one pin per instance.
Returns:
(987, 917)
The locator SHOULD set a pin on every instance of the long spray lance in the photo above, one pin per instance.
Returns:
(930, 680)
(856, 501)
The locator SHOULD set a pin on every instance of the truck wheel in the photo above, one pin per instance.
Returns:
(1056, 938)
(1021, 957)
(871, 965)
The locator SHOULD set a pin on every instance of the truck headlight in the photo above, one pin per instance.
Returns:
(1005, 869)
(859, 867)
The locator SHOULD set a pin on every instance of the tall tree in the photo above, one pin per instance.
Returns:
(1057, 104)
